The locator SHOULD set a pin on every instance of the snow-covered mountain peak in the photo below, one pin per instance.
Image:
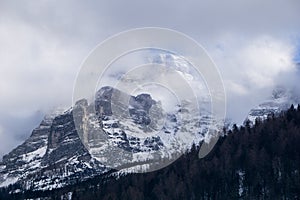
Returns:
(280, 100)
(138, 130)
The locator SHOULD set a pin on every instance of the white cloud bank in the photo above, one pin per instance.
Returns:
(42, 44)
(252, 68)
(255, 64)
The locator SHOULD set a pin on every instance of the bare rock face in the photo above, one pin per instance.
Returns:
(51, 157)
(55, 155)
(27, 157)
(140, 106)
(78, 144)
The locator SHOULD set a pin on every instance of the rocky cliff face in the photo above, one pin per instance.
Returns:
(27, 157)
(51, 157)
(90, 139)
(129, 132)
(115, 131)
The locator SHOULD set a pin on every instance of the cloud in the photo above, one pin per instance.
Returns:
(5, 142)
(2, 147)
(37, 71)
(252, 68)
(32, 64)
(255, 63)
(267, 58)
(44, 43)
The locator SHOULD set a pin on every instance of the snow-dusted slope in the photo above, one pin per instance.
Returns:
(51, 157)
(91, 138)
(58, 154)
(80, 143)
(26, 158)
(140, 134)
(280, 100)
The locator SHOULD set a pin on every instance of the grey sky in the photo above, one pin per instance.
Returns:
(43, 43)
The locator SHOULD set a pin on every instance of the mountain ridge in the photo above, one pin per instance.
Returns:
(70, 146)
(55, 155)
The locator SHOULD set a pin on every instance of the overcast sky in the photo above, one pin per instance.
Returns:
(43, 43)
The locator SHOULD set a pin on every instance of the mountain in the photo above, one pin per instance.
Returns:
(280, 100)
(89, 139)
(118, 131)
(51, 157)
(249, 162)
